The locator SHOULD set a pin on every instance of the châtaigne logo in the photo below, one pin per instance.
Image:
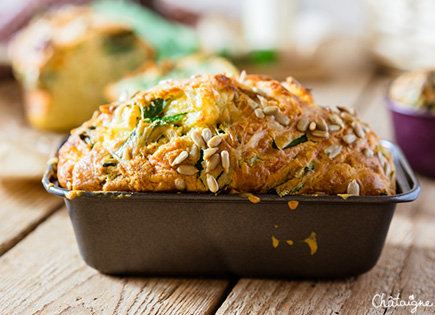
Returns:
(379, 301)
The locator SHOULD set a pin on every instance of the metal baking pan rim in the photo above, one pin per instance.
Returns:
(407, 184)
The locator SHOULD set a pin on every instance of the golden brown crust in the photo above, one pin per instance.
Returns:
(120, 149)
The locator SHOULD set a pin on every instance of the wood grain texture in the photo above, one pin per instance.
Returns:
(23, 201)
(406, 266)
(44, 274)
(23, 205)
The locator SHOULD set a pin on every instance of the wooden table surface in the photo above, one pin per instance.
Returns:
(41, 271)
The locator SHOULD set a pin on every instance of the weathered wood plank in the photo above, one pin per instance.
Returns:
(44, 274)
(23, 206)
(23, 156)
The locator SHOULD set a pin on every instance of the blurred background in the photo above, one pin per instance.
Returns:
(301, 33)
(321, 43)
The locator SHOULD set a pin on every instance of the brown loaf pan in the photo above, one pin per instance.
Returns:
(188, 234)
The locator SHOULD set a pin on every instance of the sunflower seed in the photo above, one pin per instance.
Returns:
(225, 158)
(348, 110)
(387, 169)
(253, 104)
(271, 110)
(180, 184)
(358, 129)
(242, 76)
(206, 134)
(212, 162)
(187, 170)
(302, 124)
(327, 108)
(209, 152)
(355, 112)
(312, 125)
(335, 119)
(320, 133)
(180, 158)
(259, 113)
(263, 101)
(349, 138)
(198, 139)
(212, 184)
(367, 152)
(194, 152)
(381, 159)
(321, 124)
(333, 150)
(334, 128)
(282, 119)
(347, 117)
(366, 128)
(215, 141)
(353, 188)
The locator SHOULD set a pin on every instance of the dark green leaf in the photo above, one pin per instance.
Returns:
(297, 141)
(297, 188)
(154, 109)
(198, 164)
(220, 132)
(119, 43)
(107, 164)
(85, 138)
(118, 152)
(217, 178)
(274, 145)
(161, 121)
(309, 168)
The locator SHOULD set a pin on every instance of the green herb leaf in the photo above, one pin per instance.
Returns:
(297, 188)
(119, 151)
(274, 145)
(154, 109)
(198, 164)
(308, 168)
(107, 164)
(86, 139)
(119, 43)
(220, 131)
(297, 141)
(161, 121)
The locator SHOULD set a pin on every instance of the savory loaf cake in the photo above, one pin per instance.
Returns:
(226, 134)
(66, 57)
(415, 90)
(182, 68)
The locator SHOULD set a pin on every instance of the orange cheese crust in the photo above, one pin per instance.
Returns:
(268, 136)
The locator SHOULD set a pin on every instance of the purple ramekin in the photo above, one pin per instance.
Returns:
(415, 134)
